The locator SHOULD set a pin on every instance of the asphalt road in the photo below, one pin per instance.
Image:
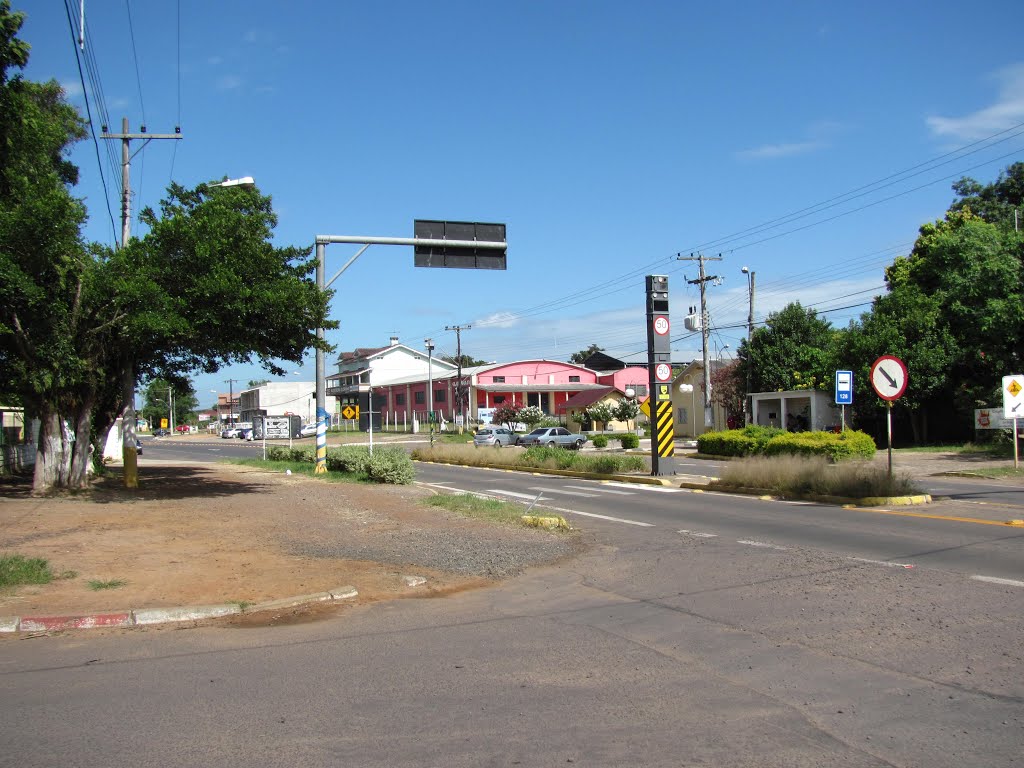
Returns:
(698, 630)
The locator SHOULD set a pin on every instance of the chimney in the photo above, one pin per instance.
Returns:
(394, 341)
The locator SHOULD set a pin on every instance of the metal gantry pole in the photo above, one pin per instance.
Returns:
(321, 384)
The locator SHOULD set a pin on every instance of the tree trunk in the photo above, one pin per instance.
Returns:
(52, 454)
(81, 449)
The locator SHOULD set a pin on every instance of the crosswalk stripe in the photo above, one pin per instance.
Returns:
(530, 496)
(641, 487)
(567, 493)
(600, 489)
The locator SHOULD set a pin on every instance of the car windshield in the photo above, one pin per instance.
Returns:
(539, 432)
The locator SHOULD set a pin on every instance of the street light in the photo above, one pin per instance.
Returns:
(430, 387)
(750, 332)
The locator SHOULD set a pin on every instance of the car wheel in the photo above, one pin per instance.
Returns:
(551, 444)
(579, 445)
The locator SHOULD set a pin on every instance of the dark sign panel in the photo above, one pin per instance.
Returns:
(459, 257)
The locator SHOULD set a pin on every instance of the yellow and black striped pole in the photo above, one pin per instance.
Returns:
(659, 364)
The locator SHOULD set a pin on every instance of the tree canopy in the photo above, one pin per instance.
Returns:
(581, 357)
(204, 288)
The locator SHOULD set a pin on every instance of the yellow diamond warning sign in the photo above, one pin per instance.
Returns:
(1015, 388)
(350, 412)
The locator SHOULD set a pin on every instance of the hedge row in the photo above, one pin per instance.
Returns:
(771, 441)
(387, 465)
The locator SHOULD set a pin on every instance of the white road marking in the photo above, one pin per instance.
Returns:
(528, 496)
(699, 535)
(642, 487)
(599, 489)
(881, 562)
(567, 493)
(995, 580)
(762, 544)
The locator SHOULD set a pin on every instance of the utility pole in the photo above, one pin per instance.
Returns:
(459, 389)
(231, 401)
(748, 410)
(429, 344)
(130, 456)
(709, 413)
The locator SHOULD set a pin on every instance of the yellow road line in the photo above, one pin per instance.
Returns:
(899, 513)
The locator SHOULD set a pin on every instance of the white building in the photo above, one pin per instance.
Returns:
(282, 398)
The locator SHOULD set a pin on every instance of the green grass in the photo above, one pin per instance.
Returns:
(479, 508)
(299, 468)
(535, 457)
(814, 475)
(995, 450)
(16, 570)
(96, 584)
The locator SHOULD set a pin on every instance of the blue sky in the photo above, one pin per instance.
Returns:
(609, 137)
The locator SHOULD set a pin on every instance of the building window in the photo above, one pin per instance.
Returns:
(499, 399)
(640, 389)
(499, 379)
(683, 417)
(419, 397)
(399, 398)
(439, 395)
(574, 379)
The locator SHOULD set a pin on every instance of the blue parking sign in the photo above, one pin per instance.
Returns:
(844, 387)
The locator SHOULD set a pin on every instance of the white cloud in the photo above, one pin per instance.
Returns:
(772, 151)
(1007, 111)
(819, 132)
(228, 82)
(72, 88)
(498, 320)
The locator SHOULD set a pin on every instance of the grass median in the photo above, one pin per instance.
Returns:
(535, 457)
(814, 476)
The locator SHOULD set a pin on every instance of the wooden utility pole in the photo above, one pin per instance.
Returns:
(460, 392)
(129, 453)
(709, 413)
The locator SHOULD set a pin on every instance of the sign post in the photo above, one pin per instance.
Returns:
(844, 393)
(889, 380)
(1013, 405)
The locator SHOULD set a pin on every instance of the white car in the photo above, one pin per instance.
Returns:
(308, 431)
(495, 436)
(229, 433)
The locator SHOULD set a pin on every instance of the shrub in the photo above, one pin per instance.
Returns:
(351, 459)
(550, 457)
(629, 440)
(390, 465)
(604, 465)
(600, 441)
(803, 475)
(771, 441)
(278, 453)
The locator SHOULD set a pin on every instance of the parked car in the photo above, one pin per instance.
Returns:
(161, 432)
(559, 436)
(229, 432)
(494, 436)
(183, 428)
(308, 431)
(244, 433)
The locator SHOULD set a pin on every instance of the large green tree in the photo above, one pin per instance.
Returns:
(794, 350)
(204, 288)
(581, 357)
(997, 202)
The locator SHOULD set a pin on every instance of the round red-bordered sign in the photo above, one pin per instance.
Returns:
(889, 377)
(663, 372)
(661, 325)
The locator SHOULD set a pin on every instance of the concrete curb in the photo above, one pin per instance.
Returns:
(152, 616)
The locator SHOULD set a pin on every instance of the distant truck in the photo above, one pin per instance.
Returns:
(553, 436)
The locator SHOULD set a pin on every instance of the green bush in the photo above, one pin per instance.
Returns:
(629, 440)
(279, 453)
(604, 465)
(552, 457)
(390, 465)
(600, 441)
(351, 459)
(771, 441)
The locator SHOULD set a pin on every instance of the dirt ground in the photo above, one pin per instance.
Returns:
(202, 534)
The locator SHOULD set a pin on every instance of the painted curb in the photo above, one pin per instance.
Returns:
(60, 623)
(842, 501)
(289, 602)
(9, 623)
(193, 613)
